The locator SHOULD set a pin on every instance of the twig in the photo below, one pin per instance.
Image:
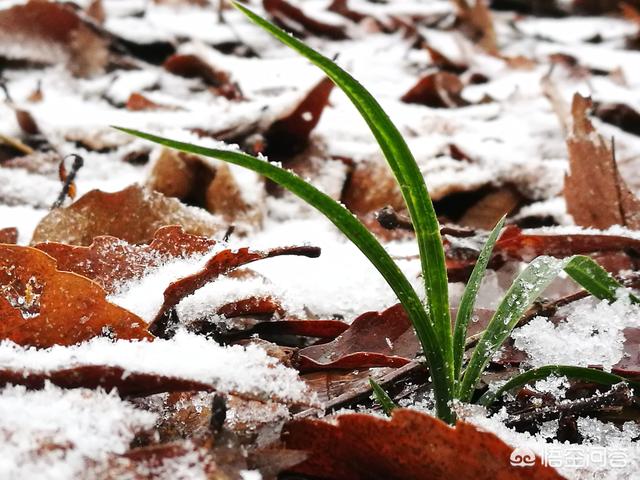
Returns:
(68, 180)
(617, 397)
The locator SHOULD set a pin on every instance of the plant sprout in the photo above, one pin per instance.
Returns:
(443, 347)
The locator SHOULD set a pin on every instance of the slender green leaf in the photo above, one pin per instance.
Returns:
(581, 373)
(359, 235)
(468, 300)
(594, 279)
(410, 180)
(382, 397)
(526, 288)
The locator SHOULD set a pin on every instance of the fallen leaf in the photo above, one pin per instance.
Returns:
(192, 66)
(619, 114)
(486, 212)
(374, 339)
(293, 18)
(437, 90)
(111, 262)
(9, 235)
(595, 193)
(370, 187)
(477, 22)
(139, 103)
(128, 384)
(133, 214)
(220, 264)
(225, 197)
(180, 175)
(290, 134)
(42, 306)
(52, 32)
(203, 365)
(411, 445)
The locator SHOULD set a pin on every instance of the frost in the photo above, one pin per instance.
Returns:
(57, 434)
(243, 370)
(591, 334)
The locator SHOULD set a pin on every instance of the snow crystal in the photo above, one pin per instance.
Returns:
(591, 334)
(243, 370)
(57, 434)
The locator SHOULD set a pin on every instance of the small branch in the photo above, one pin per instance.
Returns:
(68, 180)
(617, 397)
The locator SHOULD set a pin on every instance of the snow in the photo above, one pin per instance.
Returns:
(242, 370)
(58, 434)
(591, 334)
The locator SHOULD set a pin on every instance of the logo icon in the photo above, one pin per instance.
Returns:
(522, 457)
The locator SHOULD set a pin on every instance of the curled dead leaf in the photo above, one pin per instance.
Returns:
(290, 134)
(437, 90)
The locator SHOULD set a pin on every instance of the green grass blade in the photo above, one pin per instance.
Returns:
(359, 235)
(522, 293)
(468, 300)
(382, 397)
(408, 175)
(594, 279)
(580, 373)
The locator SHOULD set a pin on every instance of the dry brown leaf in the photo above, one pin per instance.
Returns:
(110, 262)
(51, 32)
(595, 193)
(293, 18)
(139, 103)
(437, 90)
(42, 306)
(133, 214)
(411, 445)
(477, 20)
(486, 212)
(371, 186)
(9, 235)
(224, 197)
(180, 175)
(199, 182)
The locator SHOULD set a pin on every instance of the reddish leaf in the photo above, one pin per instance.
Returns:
(110, 262)
(101, 376)
(437, 90)
(192, 66)
(515, 244)
(42, 306)
(477, 22)
(220, 264)
(139, 103)
(304, 328)
(412, 445)
(133, 214)
(595, 193)
(251, 306)
(290, 134)
(374, 339)
(290, 17)
(620, 115)
(9, 235)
